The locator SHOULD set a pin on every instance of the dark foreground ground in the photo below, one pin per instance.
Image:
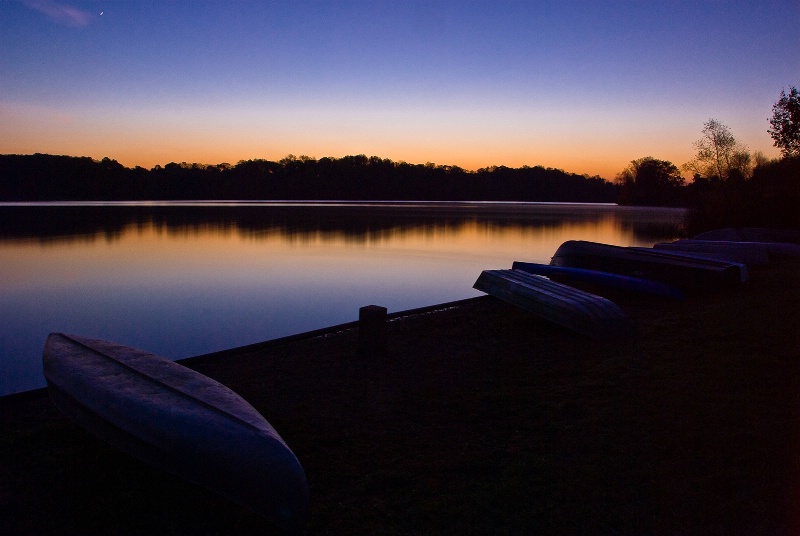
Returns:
(480, 419)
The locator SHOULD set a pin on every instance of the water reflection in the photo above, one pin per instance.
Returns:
(184, 280)
(360, 221)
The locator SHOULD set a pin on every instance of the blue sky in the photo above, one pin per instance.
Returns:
(580, 85)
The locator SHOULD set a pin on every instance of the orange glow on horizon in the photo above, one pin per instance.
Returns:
(143, 140)
(147, 142)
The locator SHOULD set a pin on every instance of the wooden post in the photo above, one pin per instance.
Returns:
(371, 331)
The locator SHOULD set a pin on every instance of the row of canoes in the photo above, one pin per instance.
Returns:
(714, 262)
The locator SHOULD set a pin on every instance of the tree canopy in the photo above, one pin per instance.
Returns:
(785, 123)
(719, 154)
(650, 181)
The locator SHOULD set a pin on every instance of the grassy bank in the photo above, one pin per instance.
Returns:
(479, 419)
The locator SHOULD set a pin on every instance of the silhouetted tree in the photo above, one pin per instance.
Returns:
(649, 181)
(785, 123)
(760, 159)
(718, 152)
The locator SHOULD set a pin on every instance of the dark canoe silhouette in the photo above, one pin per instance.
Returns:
(747, 252)
(751, 234)
(686, 271)
(596, 277)
(178, 420)
(585, 313)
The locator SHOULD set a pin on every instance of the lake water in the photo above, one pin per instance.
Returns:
(181, 279)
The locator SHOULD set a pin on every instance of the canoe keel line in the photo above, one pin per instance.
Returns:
(179, 421)
(582, 312)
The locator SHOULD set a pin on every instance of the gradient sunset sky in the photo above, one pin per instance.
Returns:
(585, 86)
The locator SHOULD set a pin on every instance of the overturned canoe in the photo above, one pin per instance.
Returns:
(751, 234)
(741, 257)
(740, 267)
(178, 420)
(585, 313)
(595, 277)
(685, 271)
(748, 252)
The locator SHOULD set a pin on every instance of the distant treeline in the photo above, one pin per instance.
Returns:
(42, 177)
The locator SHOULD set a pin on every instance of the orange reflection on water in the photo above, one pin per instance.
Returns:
(157, 255)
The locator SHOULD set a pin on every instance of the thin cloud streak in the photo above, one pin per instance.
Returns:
(61, 13)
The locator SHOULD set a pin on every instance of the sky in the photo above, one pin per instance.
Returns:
(580, 85)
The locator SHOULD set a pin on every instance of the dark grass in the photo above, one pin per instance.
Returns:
(479, 419)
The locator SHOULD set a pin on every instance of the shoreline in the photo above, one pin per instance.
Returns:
(479, 418)
(287, 339)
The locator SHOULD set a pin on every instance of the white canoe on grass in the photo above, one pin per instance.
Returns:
(585, 313)
(178, 420)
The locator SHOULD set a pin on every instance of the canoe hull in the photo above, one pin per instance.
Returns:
(177, 420)
(574, 309)
(751, 234)
(604, 279)
(747, 252)
(686, 272)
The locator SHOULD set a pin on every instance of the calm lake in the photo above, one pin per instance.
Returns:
(181, 279)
